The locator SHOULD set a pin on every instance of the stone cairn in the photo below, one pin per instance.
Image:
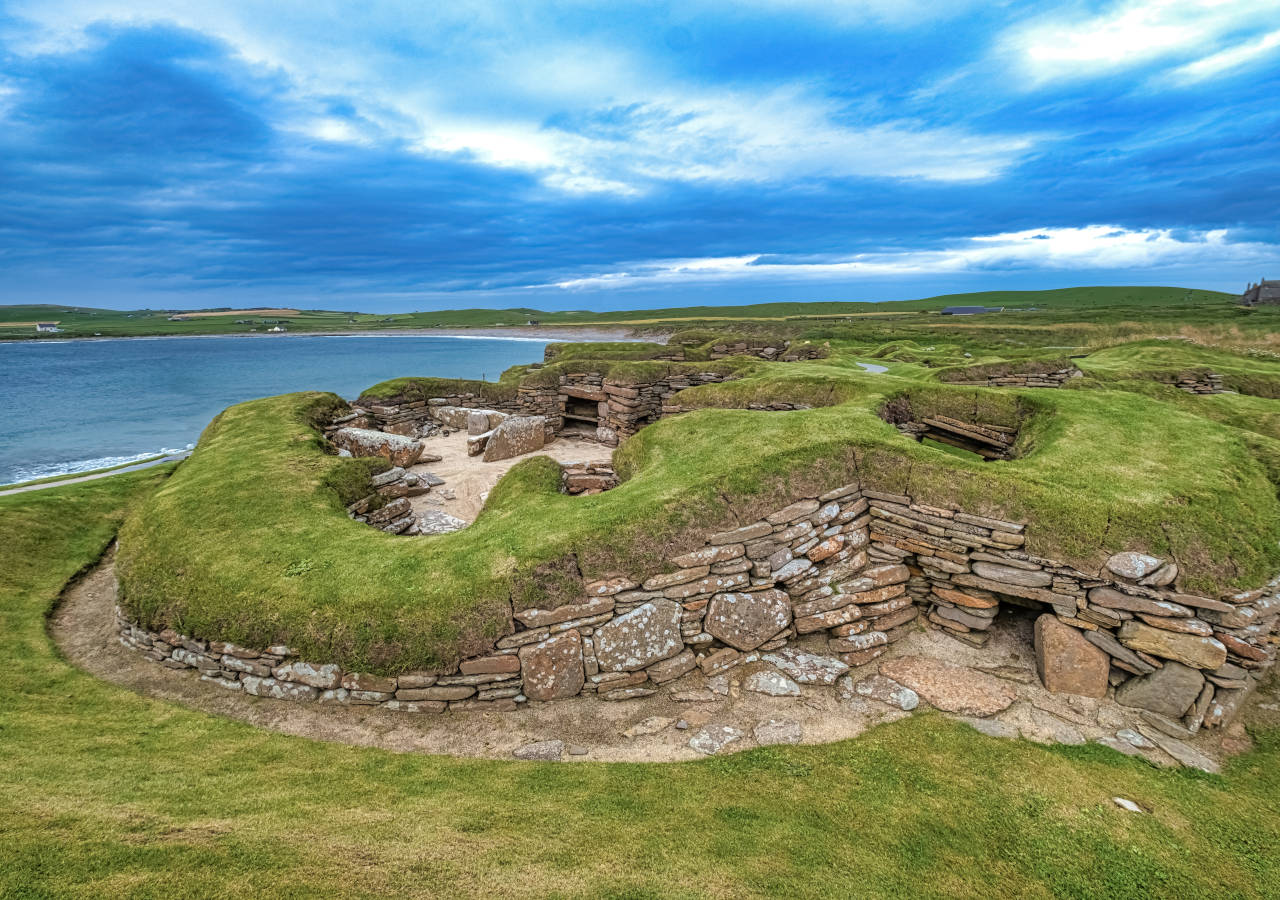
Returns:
(854, 567)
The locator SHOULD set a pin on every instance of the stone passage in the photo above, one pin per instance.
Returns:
(854, 568)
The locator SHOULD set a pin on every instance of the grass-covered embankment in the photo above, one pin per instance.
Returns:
(250, 543)
(107, 794)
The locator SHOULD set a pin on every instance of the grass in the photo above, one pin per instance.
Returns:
(107, 794)
(1026, 307)
(249, 542)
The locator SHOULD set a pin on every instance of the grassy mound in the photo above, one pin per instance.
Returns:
(249, 542)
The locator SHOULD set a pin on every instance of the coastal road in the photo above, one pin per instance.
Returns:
(174, 457)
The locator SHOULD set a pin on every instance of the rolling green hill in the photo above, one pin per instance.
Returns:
(16, 322)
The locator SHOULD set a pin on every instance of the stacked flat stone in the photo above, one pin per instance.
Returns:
(1205, 383)
(388, 508)
(1054, 379)
(857, 567)
(587, 477)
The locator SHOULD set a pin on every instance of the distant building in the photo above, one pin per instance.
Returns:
(177, 318)
(1264, 293)
(970, 310)
(47, 328)
(532, 322)
(278, 329)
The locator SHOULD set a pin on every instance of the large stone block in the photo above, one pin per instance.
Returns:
(395, 448)
(1169, 690)
(1012, 575)
(639, 638)
(1069, 664)
(1133, 565)
(552, 669)
(949, 687)
(1189, 649)
(745, 620)
(516, 436)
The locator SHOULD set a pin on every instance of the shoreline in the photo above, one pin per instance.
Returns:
(532, 333)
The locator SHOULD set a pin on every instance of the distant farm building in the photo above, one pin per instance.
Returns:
(970, 310)
(177, 318)
(278, 329)
(1264, 293)
(47, 328)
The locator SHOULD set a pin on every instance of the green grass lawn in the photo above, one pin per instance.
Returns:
(107, 794)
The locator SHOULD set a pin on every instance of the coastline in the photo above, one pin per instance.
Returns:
(539, 333)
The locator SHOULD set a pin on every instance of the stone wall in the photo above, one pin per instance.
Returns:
(614, 410)
(1197, 382)
(1054, 379)
(854, 568)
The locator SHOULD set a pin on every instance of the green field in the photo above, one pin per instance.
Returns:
(1143, 307)
(107, 794)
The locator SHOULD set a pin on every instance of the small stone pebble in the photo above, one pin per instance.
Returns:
(578, 750)
(682, 725)
(1127, 804)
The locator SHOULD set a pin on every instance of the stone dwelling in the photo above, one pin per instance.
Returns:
(1264, 293)
(586, 403)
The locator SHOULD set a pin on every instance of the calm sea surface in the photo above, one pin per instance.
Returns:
(69, 406)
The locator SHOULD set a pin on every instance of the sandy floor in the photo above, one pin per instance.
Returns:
(83, 628)
(469, 478)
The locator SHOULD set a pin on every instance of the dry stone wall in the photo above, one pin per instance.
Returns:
(1197, 382)
(608, 410)
(854, 567)
(1054, 379)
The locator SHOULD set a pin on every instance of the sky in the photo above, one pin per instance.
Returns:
(393, 156)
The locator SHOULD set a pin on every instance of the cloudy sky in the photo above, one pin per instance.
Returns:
(581, 155)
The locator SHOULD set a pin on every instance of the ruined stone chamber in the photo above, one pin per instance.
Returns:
(815, 585)
(857, 569)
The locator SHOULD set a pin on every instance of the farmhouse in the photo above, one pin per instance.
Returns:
(47, 328)
(1264, 293)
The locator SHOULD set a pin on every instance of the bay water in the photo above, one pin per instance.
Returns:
(75, 405)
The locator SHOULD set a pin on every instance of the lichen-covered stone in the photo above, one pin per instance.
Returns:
(639, 638)
(552, 669)
(774, 684)
(747, 620)
(395, 448)
(1133, 566)
(713, 738)
(318, 676)
(806, 668)
(515, 437)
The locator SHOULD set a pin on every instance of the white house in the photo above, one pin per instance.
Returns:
(47, 328)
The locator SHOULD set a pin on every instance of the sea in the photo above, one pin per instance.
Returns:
(74, 405)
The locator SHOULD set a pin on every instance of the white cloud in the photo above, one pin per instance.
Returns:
(1129, 33)
(1227, 60)
(1090, 248)
(506, 91)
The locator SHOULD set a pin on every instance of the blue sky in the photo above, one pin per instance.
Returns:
(579, 155)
